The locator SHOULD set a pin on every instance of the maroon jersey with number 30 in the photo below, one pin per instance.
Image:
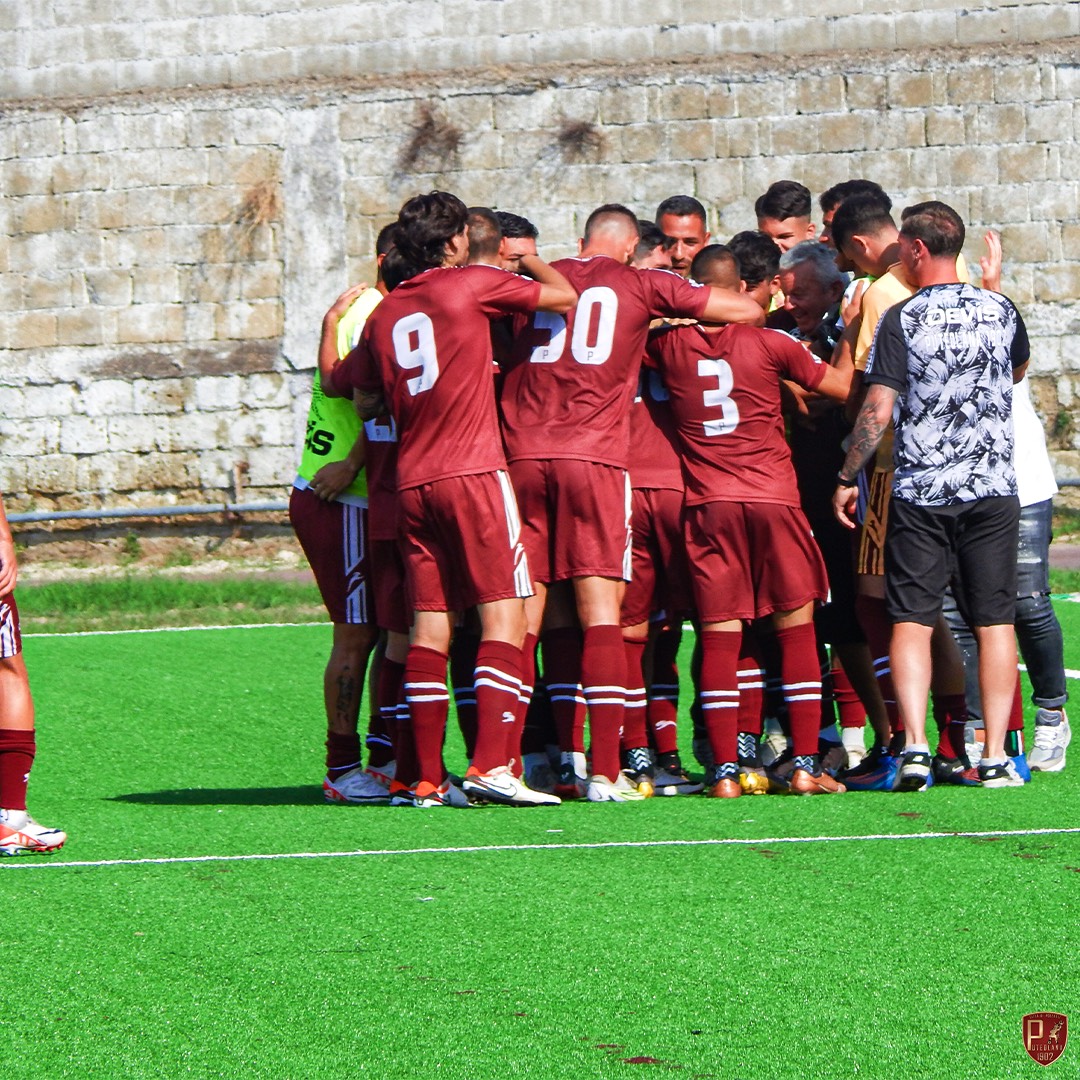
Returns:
(427, 347)
(724, 387)
(571, 379)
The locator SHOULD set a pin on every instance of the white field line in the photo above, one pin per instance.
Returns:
(170, 629)
(727, 841)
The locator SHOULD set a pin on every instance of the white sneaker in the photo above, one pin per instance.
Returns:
(999, 774)
(501, 785)
(20, 834)
(854, 742)
(1052, 736)
(428, 795)
(601, 789)
(383, 774)
(356, 786)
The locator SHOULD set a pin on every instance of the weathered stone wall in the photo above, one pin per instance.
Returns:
(170, 252)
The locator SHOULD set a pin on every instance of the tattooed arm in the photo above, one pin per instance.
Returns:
(873, 419)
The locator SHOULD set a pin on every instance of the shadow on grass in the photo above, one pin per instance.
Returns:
(308, 795)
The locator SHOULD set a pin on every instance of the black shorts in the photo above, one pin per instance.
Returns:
(972, 545)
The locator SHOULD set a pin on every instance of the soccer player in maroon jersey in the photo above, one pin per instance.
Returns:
(426, 354)
(751, 551)
(565, 405)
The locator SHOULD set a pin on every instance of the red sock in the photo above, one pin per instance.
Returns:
(950, 715)
(429, 705)
(603, 684)
(848, 703)
(380, 739)
(750, 677)
(17, 749)
(635, 733)
(498, 688)
(388, 693)
(463, 650)
(1016, 716)
(720, 691)
(539, 731)
(561, 651)
(515, 737)
(342, 753)
(870, 611)
(800, 675)
(407, 768)
(662, 708)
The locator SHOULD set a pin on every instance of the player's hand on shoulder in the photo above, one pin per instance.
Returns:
(332, 479)
(346, 300)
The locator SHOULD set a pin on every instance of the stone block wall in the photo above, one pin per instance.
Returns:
(170, 252)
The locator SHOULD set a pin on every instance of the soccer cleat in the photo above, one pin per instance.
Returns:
(1052, 737)
(675, 782)
(914, 771)
(427, 795)
(947, 770)
(726, 787)
(876, 772)
(638, 769)
(383, 774)
(572, 779)
(20, 834)
(854, 745)
(502, 786)
(356, 786)
(541, 777)
(833, 757)
(753, 780)
(1000, 775)
(601, 789)
(401, 794)
(805, 782)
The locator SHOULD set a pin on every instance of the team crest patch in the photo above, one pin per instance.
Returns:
(1045, 1036)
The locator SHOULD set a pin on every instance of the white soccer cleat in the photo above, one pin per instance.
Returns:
(427, 796)
(20, 834)
(357, 786)
(502, 786)
(601, 789)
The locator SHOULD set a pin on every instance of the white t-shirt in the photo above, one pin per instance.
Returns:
(1035, 481)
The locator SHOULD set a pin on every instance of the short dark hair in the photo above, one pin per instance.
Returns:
(832, 197)
(681, 206)
(651, 237)
(608, 212)
(784, 199)
(485, 236)
(395, 270)
(515, 227)
(758, 255)
(936, 224)
(710, 258)
(426, 223)
(386, 239)
(860, 215)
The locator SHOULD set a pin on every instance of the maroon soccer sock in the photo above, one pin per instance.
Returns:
(848, 704)
(870, 611)
(800, 675)
(515, 737)
(635, 733)
(463, 649)
(950, 715)
(561, 651)
(603, 682)
(720, 691)
(750, 677)
(498, 688)
(429, 705)
(662, 697)
(407, 767)
(17, 749)
(1016, 716)
(388, 693)
(342, 753)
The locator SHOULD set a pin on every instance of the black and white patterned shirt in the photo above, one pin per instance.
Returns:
(950, 351)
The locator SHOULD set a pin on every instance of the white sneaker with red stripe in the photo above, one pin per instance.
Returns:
(20, 834)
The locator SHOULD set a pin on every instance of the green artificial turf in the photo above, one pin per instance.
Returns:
(579, 941)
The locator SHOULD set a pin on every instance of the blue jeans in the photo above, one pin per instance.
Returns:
(1037, 628)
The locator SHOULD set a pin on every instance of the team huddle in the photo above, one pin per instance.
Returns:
(521, 480)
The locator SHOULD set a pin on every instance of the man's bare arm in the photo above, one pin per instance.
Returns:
(874, 417)
(556, 293)
(726, 306)
(328, 351)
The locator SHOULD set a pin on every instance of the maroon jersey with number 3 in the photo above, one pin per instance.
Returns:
(427, 347)
(724, 388)
(571, 379)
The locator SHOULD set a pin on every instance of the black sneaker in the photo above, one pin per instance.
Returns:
(948, 770)
(915, 772)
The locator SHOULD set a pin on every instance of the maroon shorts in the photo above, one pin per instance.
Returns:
(660, 578)
(575, 518)
(751, 559)
(334, 538)
(461, 542)
(392, 608)
(10, 635)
